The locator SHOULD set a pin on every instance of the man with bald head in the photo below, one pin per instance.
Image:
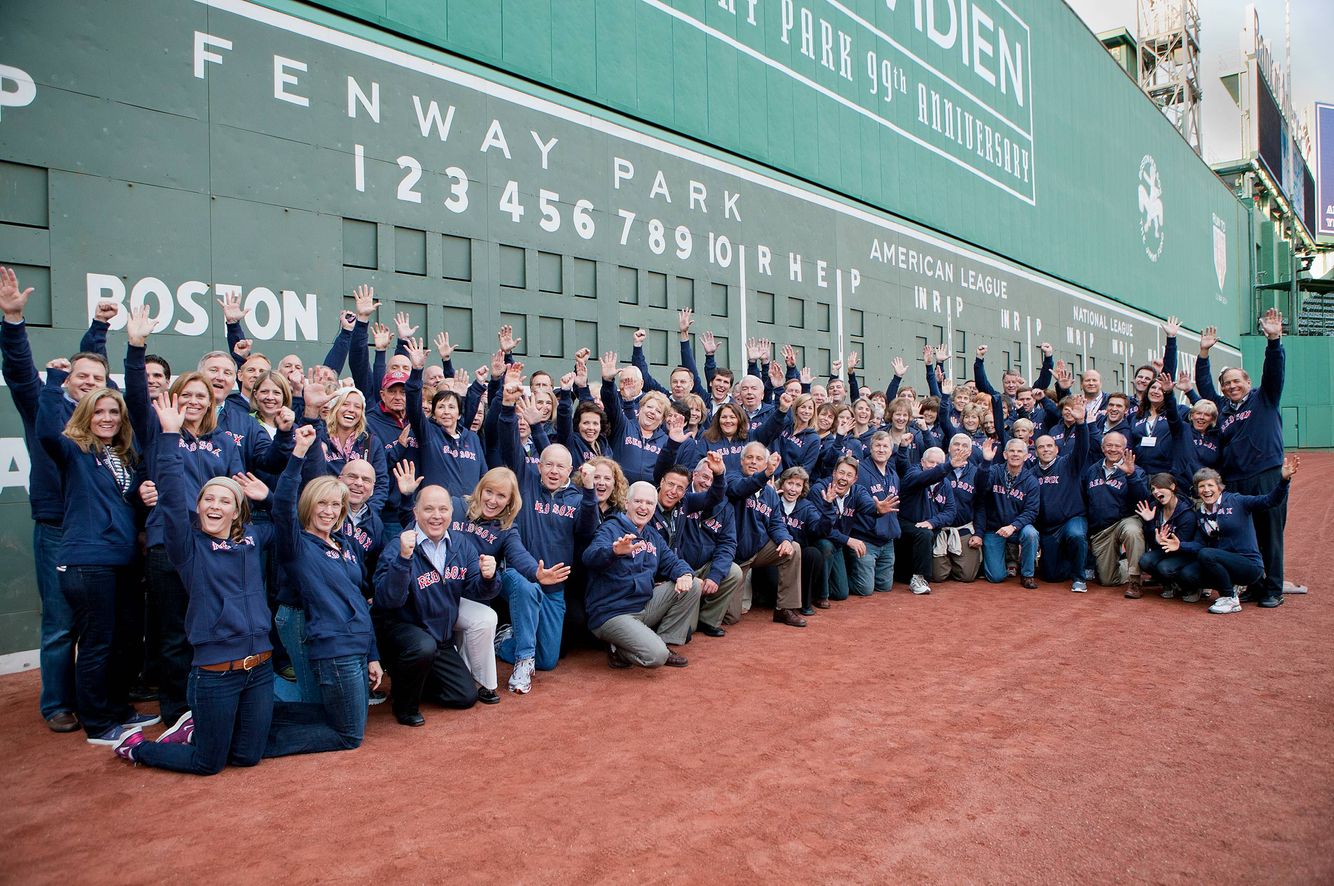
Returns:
(1111, 488)
(554, 512)
(642, 598)
(417, 593)
(1095, 399)
(750, 396)
(1004, 510)
(1062, 526)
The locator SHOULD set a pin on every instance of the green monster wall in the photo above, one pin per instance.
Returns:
(172, 151)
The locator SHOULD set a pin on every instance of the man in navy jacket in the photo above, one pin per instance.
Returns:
(1112, 487)
(701, 530)
(641, 596)
(417, 602)
(1250, 432)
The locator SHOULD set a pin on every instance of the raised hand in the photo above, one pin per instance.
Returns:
(1271, 324)
(1128, 462)
(302, 437)
(1208, 338)
(715, 462)
(347, 320)
(582, 355)
(836, 368)
(232, 312)
(900, 368)
(139, 326)
(942, 354)
(1185, 384)
(284, 420)
(403, 323)
(676, 426)
(829, 495)
(381, 336)
(766, 350)
(364, 296)
(407, 543)
(1167, 539)
(609, 361)
(12, 299)
(639, 337)
(553, 575)
(416, 349)
(852, 362)
(785, 401)
(581, 374)
(846, 422)
(1290, 465)
(887, 505)
(775, 462)
(929, 355)
(790, 356)
(1171, 327)
(314, 393)
(806, 376)
(169, 415)
(981, 352)
(481, 374)
(989, 449)
(776, 377)
(405, 476)
(708, 343)
(105, 311)
(1146, 511)
(252, 487)
(442, 345)
(1164, 382)
(486, 565)
(684, 318)
(498, 364)
(527, 409)
(243, 348)
(1046, 349)
(752, 350)
(567, 382)
(623, 546)
(586, 472)
(947, 386)
(506, 338)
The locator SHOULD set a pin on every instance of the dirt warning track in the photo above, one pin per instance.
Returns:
(983, 733)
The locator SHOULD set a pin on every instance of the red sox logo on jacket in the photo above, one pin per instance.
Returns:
(481, 532)
(560, 510)
(450, 573)
(1234, 418)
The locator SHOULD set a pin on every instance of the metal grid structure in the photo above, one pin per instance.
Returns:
(1169, 62)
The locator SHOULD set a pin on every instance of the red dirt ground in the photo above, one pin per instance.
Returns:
(978, 734)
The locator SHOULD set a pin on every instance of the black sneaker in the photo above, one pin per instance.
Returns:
(1271, 602)
(487, 696)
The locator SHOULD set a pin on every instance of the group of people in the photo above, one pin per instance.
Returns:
(355, 533)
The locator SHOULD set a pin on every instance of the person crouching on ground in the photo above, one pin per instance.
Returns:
(641, 596)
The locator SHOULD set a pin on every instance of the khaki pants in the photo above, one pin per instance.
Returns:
(712, 607)
(643, 637)
(963, 566)
(1106, 546)
(789, 579)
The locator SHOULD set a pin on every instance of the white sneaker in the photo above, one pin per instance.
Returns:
(1226, 605)
(1169, 591)
(918, 585)
(503, 633)
(521, 681)
(1079, 587)
(1090, 574)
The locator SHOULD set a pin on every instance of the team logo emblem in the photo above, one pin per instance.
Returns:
(1150, 208)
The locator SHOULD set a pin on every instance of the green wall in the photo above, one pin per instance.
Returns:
(1308, 389)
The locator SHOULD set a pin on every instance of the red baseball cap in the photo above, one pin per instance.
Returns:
(393, 378)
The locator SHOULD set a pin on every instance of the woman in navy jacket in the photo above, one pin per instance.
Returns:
(1227, 554)
(1166, 524)
(227, 622)
(449, 454)
(339, 642)
(95, 454)
(808, 520)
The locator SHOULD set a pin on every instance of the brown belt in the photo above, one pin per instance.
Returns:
(250, 662)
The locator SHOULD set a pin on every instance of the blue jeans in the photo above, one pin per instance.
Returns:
(873, 572)
(336, 723)
(1220, 570)
(537, 618)
(1065, 550)
(836, 565)
(102, 601)
(993, 553)
(291, 624)
(232, 711)
(57, 654)
(1166, 567)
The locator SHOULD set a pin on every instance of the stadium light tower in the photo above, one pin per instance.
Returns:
(1169, 62)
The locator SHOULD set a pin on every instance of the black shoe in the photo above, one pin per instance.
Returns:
(807, 610)
(1250, 596)
(710, 630)
(487, 696)
(142, 693)
(415, 719)
(614, 660)
(1271, 602)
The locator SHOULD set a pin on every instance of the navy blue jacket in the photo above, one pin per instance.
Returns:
(385, 429)
(228, 615)
(103, 530)
(1230, 528)
(1061, 483)
(327, 578)
(624, 585)
(963, 484)
(636, 453)
(877, 528)
(687, 362)
(415, 592)
(1109, 499)
(759, 519)
(1002, 500)
(1183, 521)
(808, 521)
(365, 447)
(857, 503)
(1155, 457)
(925, 497)
(1251, 432)
(1191, 450)
(708, 536)
(457, 462)
(45, 487)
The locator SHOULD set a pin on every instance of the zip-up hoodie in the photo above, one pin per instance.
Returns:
(1108, 499)
(623, 585)
(457, 462)
(228, 615)
(926, 497)
(413, 591)
(1250, 432)
(759, 519)
(1002, 500)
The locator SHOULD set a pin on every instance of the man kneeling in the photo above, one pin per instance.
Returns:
(626, 609)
